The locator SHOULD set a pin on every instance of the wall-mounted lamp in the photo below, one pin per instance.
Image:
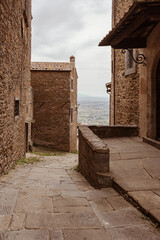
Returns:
(140, 59)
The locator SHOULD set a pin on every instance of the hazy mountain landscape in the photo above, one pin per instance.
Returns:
(93, 110)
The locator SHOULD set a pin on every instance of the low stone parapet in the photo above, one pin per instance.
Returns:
(115, 131)
(93, 158)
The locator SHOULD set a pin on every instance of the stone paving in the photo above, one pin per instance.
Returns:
(49, 200)
(135, 166)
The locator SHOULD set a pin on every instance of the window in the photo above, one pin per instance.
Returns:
(71, 115)
(16, 107)
(72, 84)
(130, 65)
(21, 28)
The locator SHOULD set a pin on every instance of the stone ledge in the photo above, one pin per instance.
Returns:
(93, 158)
(94, 141)
(115, 131)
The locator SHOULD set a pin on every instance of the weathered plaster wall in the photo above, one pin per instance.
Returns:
(15, 46)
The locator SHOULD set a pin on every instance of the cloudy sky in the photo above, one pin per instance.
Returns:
(61, 28)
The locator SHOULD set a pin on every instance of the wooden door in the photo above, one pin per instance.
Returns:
(26, 130)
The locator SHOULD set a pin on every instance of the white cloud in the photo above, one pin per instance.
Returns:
(62, 28)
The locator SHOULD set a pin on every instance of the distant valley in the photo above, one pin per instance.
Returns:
(93, 110)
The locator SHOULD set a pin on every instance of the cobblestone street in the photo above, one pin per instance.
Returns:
(49, 200)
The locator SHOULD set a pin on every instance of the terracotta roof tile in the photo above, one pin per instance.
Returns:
(51, 66)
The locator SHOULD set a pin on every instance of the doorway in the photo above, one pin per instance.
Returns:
(158, 102)
(26, 130)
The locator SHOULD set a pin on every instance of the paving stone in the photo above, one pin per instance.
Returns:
(101, 205)
(138, 154)
(17, 221)
(132, 184)
(69, 187)
(62, 221)
(57, 235)
(72, 209)
(98, 234)
(3, 235)
(44, 184)
(127, 164)
(121, 218)
(140, 232)
(74, 194)
(152, 165)
(40, 191)
(118, 202)
(29, 235)
(157, 192)
(83, 186)
(70, 202)
(16, 180)
(7, 203)
(5, 222)
(103, 193)
(115, 156)
(33, 204)
(156, 213)
(147, 199)
(133, 173)
(78, 178)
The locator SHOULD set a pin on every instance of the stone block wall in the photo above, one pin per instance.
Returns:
(125, 88)
(51, 109)
(15, 54)
(115, 131)
(73, 96)
(53, 100)
(93, 158)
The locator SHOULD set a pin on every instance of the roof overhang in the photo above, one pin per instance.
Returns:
(134, 28)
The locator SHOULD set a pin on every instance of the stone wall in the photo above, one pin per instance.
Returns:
(51, 108)
(125, 89)
(15, 49)
(115, 131)
(133, 98)
(73, 93)
(148, 88)
(53, 100)
(93, 158)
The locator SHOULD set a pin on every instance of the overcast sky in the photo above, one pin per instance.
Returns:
(61, 28)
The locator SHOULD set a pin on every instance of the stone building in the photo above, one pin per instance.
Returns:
(15, 91)
(55, 104)
(135, 88)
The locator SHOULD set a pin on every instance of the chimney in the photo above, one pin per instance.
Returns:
(72, 60)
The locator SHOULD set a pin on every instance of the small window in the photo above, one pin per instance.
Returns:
(71, 115)
(72, 84)
(16, 107)
(21, 28)
(130, 65)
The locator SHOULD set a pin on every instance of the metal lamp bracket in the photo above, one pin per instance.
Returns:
(140, 58)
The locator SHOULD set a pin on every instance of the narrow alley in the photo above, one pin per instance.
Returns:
(50, 200)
